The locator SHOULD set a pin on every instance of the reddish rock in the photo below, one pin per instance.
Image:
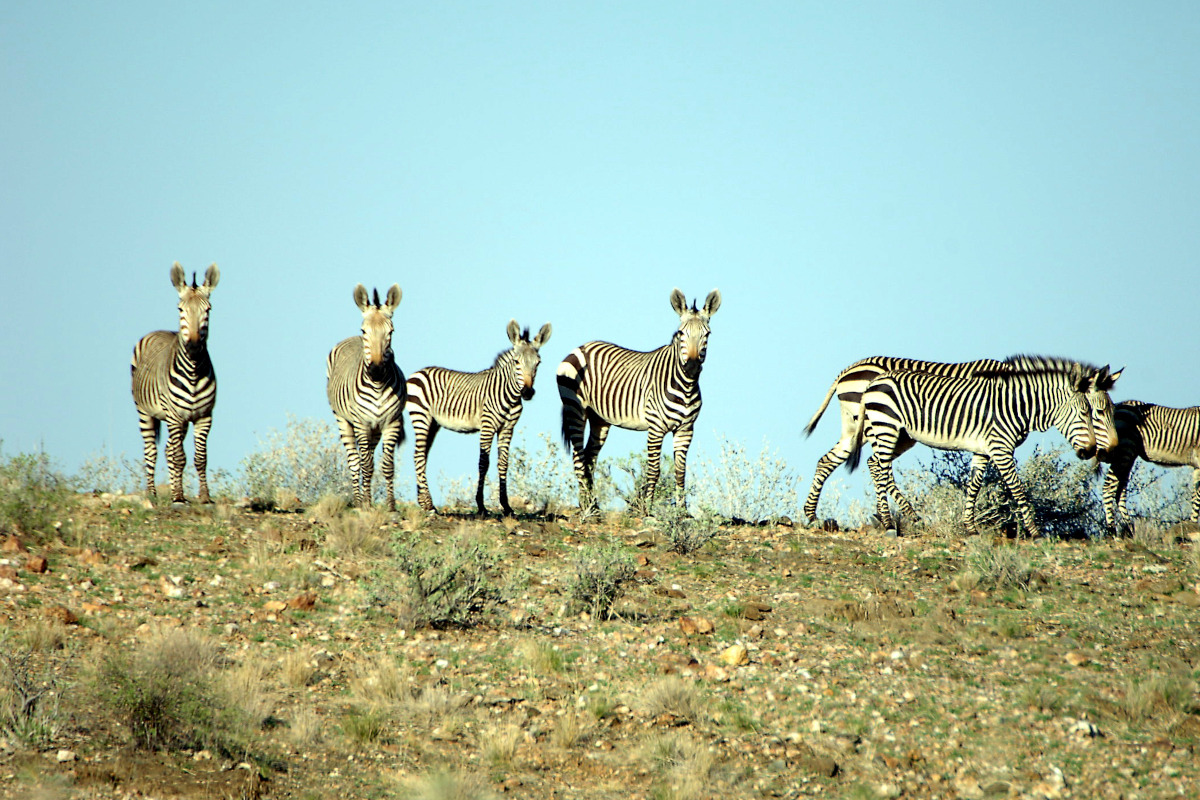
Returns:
(13, 545)
(63, 614)
(37, 564)
(303, 602)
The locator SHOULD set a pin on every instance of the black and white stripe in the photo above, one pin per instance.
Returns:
(849, 386)
(489, 401)
(366, 393)
(174, 382)
(988, 414)
(1169, 437)
(603, 385)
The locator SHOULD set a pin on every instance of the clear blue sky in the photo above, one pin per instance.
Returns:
(938, 180)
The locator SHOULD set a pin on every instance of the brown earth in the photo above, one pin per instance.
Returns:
(776, 662)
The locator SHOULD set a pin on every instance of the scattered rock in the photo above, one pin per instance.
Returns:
(735, 655)
(535, 550)
(1076, 659)
(714, 673)
(62, 614)
(13, 545)
(65, 756)
(1187, 598)
(91, 557)
(37, 564)
(303, 602)
(968, 787)
(274, 605)
(824, 766)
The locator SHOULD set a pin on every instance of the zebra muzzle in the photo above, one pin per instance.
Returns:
(527, 393)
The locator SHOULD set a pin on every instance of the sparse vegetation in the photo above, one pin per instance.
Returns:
(601, 572)
(34, 497)
(306, 459)
(445, 585)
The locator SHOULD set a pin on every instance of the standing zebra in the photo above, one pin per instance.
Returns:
(1169, 437)
(174, 382)
(849, 386)
(988, 414)
(366, 393)
(659, 392)
(488, 401)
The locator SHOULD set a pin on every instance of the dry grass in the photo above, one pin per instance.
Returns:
(298, 668)
(446, 786)
(359, 534)
(684, 764)
(380, 680)
(498, 745)
(571, 731)
(675, 696)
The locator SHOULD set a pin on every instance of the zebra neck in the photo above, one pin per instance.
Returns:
(191, 360)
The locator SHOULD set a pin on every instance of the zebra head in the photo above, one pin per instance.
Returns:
(1102, 409)
(525, 356)
(194, 304)
(692, 335)
(376, 326)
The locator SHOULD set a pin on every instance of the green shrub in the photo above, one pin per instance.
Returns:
(1064, 493)
(684, 533)
(105, 473)
(542, 477)
(446, 585)
(166, 693)
(601, 572)
(307, 460)
(33, 495)
(996, 567)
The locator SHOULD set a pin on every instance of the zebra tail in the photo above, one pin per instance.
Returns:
(856, 448)
(812, 423)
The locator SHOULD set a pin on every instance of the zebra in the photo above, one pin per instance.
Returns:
(174, 382)
(849, 386)
(988, 414)
(366, 393)
(656, 391)
(1169, 437)
(489, 401)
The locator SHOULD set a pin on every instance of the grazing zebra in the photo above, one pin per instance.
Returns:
(1169, 437)
(488, 401)
(659, 392)
(849, 386)
(988, 414)
(174, 382)
(366, 393)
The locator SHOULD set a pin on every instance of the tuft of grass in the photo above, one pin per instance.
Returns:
(684, 765)
(1158, 695)
(328, 509)
(601, 572)
(380, 680)
(298, 668)
(361, 534)
(673, 695)
(684, 533)
(542, 658)
(996, 567)
(29, 699)
(498, 746)
(34, 497)
(572, 731)
(446, 786)
(363, 726)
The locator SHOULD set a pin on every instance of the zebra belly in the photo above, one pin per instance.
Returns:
(457, 424)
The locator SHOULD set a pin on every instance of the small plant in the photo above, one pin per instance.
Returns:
(498, 746)
(359, 534)
(363, 726)
(307, 460)
(446, 786)
(625, 478)
(996, 567)
(684, 533)
(684, 765)
(1158, 695)
(29, 702)
(105, 473)
(674, 696)
(33, 495)
(601, 572)
(448, 585)
(542, 477)
(380, 680)
(739, 487)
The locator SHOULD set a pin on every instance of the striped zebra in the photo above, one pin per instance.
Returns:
(174, 382)
(988, 414)
(489, 401)
(849, 386)
(1169, 437)
(366, 393)
(603, 385)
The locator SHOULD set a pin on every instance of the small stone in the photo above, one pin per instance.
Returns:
(1076, 659)
(8, 573)
(63, 614)
(64, 756)
(704, 625)
(534, 550)
(735, 655)
(968, 787)
(37, 564)
(687, 625)
(13, 545)
(303, 602)
(714, 673)
(274, 605)
(819, 765)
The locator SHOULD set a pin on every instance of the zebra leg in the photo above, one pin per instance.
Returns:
(903, 444)
(825, 467)
(1007, 467)
(150, 427)
(200, 444)
(346, 434)
(424, 430)
(176, 459)
(682, 440)
(366, 441)
(504, 440)
(1116, 483)
(1195, 495)
(653, 467)
(586, 465)
(485, 451)
(974, 484)
(879, 476)
(392, 435)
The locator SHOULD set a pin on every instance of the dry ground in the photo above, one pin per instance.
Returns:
(775, 662)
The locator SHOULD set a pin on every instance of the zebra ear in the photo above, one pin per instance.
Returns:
(393, 298)
(361, 299)
(211, 276)
(514, 331)
(1106, 379)
(542, 336)
(178, 279)
(712, 303)
(678, 301)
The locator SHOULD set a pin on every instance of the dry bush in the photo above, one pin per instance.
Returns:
(676, 696)
(446, 585)
(434, 706)
(380, 680)
(573, 730)
(1158, 696)
(298, 668)
(43, 635)
(684, 764)
(29, 698)
(446, 786)
(498, 745)
(994, 567)
(306, 729)
(329, 509)
(358, 535)
(601, 572)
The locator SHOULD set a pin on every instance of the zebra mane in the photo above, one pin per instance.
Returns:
(1023, 364)
(506, 355)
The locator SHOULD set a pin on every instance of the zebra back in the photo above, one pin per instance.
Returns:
(1159, 434)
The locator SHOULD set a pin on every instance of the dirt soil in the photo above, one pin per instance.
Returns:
(777, 661)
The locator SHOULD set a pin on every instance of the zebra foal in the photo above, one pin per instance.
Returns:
(1169, 437)
(849, 386)
(658, 391)
(174, 382)
(489, 401)
(988, 414)
(366, 393)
